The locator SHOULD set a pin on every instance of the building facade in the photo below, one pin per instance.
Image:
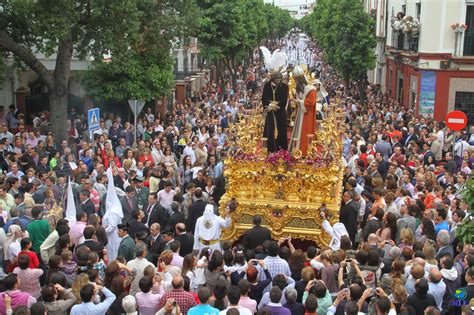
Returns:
(297, 8)
(425, 54)
(23, 89)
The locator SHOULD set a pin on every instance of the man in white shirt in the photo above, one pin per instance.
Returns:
(6, 134)
(156, 153)
(460, 146)
(138, 265)
(188, 150)
(88, 292)
(233, 295)
(149, 116)
(166, 195)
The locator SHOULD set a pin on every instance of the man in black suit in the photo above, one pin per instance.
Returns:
(256, 235)
(86, 203)
(348, 215)
(427, 153)
(94, 246)
(155, 243)
(135, 225)
(27, 160)
(196, 210)
(177, 216)
(155, 213)
(469, 290)
(129, 203)
(411, 136)
(119, 180)
(450, 165)
(186, 240)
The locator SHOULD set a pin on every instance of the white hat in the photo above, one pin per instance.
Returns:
(298, 72)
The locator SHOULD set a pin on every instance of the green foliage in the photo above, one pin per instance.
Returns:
(137, 33)
(94, 26)
(345, 32)
(2, 69)
(131, 75)
(144, 68)
(279, 20)
(229, 30)
(465, 232)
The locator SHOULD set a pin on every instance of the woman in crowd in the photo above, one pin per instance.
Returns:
(28, 277)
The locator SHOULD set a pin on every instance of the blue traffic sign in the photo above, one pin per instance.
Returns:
(93, 119)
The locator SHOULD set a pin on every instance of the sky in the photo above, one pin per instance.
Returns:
(290, 4)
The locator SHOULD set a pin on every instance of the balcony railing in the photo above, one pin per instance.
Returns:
(405, 41)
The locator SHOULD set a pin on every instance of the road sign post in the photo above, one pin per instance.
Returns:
(456, 120)
(93, 121)
(136, 107)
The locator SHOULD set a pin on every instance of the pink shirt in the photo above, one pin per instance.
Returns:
(247, 302)
(166, 198)
(76, 231)
(177, 261)
(29, 280)
(18, 298)
(148, 303)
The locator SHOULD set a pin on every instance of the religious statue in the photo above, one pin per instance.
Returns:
(305, 122)
(274, 101)
(322, 99)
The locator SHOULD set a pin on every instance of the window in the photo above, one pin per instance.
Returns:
(404, 9)
(469, 33)
(464, 102)
(418, 11)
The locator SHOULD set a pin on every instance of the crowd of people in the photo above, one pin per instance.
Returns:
(393, 251)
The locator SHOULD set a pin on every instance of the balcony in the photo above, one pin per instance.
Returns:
(407, 42)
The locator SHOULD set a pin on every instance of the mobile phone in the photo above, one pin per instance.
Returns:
(174, 304)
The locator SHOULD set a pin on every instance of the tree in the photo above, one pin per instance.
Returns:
(346, 33)
(280, 21)
(465, 232)
(77, 28)
(230, 30)
(145, 69)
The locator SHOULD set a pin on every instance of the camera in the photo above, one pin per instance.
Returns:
(322, 210)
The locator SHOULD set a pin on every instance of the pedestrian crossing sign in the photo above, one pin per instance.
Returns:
(93, 118)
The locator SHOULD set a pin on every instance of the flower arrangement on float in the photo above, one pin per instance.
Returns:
(284, 157)
(281, 157)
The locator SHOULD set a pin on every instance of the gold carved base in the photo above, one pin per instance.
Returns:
(286, 188)
(288, 198)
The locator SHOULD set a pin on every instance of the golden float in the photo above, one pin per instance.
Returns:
(286, 188)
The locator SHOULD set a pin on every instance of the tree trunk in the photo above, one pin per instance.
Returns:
(58, 99)
(361, 87)
(58, 96)
(57, 83)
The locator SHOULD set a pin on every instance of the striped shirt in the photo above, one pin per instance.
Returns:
(275, 266)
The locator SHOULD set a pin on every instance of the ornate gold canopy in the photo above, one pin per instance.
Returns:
(285, 188)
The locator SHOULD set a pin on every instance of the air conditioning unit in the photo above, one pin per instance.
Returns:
(445, 64)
